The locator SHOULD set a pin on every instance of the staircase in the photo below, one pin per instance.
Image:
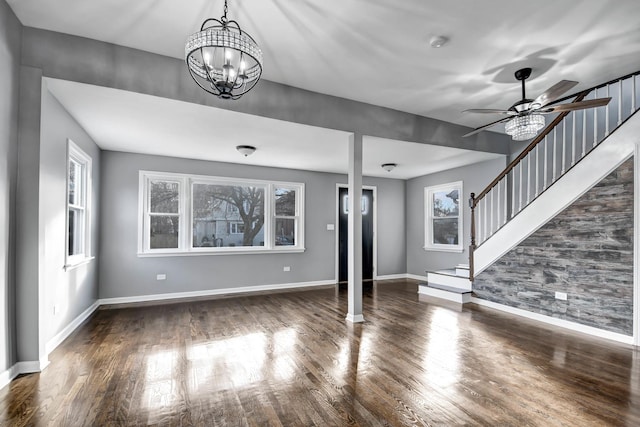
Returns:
(569, 157)
(575, 152)
(452, 285)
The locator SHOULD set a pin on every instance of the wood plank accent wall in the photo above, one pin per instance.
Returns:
(585, 251)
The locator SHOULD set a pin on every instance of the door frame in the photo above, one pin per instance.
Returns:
(375, 228)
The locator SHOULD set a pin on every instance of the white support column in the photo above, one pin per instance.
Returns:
(354, 257)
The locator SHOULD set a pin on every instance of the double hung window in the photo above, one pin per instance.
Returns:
(78, 242)
(443, 216)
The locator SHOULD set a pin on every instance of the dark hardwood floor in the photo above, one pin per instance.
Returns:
(291, 359)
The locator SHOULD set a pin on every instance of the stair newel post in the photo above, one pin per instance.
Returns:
(472, 246)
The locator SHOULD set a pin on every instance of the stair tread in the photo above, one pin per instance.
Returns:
(451, 273)
(446, 288)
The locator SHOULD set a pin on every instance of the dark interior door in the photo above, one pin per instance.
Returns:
(367, 234)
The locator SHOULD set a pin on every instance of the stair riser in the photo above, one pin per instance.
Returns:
(452, 281)
(449, 296)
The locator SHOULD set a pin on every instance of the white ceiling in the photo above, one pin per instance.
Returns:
(377, 51)
(131, 122)
(374, 51)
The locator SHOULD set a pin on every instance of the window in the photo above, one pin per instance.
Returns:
(78, 241)
(199, 214)
(286, 216)
(443, 228)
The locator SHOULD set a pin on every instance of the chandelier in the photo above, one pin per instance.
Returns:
(524, 127)
(222, 59)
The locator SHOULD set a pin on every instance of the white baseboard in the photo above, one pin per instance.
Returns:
(416, 277)
(22, 368)
(392, 276)
(354, 318)
(63, 334)
(8, 375)
(590, 330)
(212, 292)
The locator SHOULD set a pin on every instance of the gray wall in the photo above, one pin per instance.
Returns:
(83, 60)
(123, 273)
(474, 178)
(585, 251)
(72, 291)
(10, 38)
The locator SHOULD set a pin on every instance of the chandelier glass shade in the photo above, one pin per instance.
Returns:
(222, 59)
(522, 128)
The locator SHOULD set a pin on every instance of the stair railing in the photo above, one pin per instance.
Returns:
(568, 139)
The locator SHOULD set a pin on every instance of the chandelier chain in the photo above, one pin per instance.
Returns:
(224, 16)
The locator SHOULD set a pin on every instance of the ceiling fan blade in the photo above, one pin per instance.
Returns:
(554, 92)
(481, 128)
(576, 105)
(490, 111)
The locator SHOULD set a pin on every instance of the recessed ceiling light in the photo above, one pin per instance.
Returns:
(438, 41)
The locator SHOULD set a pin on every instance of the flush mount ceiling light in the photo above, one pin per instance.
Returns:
(222, 59)
(388, 166)
(246, 150)
(437, 42)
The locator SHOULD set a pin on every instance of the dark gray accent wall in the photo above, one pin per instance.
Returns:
(74, 290)
(586, 251)
(10, 40)
(124, 274)
(88, 61)
(474, 179)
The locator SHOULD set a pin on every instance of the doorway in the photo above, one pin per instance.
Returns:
(368, 208)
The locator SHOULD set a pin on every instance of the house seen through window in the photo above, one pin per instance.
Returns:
(188, 213)
(443, 214)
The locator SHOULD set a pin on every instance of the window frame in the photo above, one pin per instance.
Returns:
(186, 217)
(429, 245)
(78, 156)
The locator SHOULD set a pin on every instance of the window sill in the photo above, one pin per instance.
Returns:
(443, 249)
(76, 264)
(215, 253)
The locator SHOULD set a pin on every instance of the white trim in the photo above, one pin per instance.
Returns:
(54, 342)
(589, 330)
(239, 251)
(354, 318)
(75, 153)
(392, 276)
(375, 228)
(31, 366)
(212, 292)
(417, 277)
(428, 218)
(186, 220)
(7, 376)
(84, 261)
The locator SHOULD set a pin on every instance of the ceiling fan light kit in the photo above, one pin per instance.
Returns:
(222, 59)
(522, 128)
(525, 117)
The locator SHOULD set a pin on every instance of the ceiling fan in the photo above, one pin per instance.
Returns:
(525, 117)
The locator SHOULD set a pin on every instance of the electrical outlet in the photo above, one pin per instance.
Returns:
(286, 268)
(161, 277)
(331, 227)
(561, 295)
